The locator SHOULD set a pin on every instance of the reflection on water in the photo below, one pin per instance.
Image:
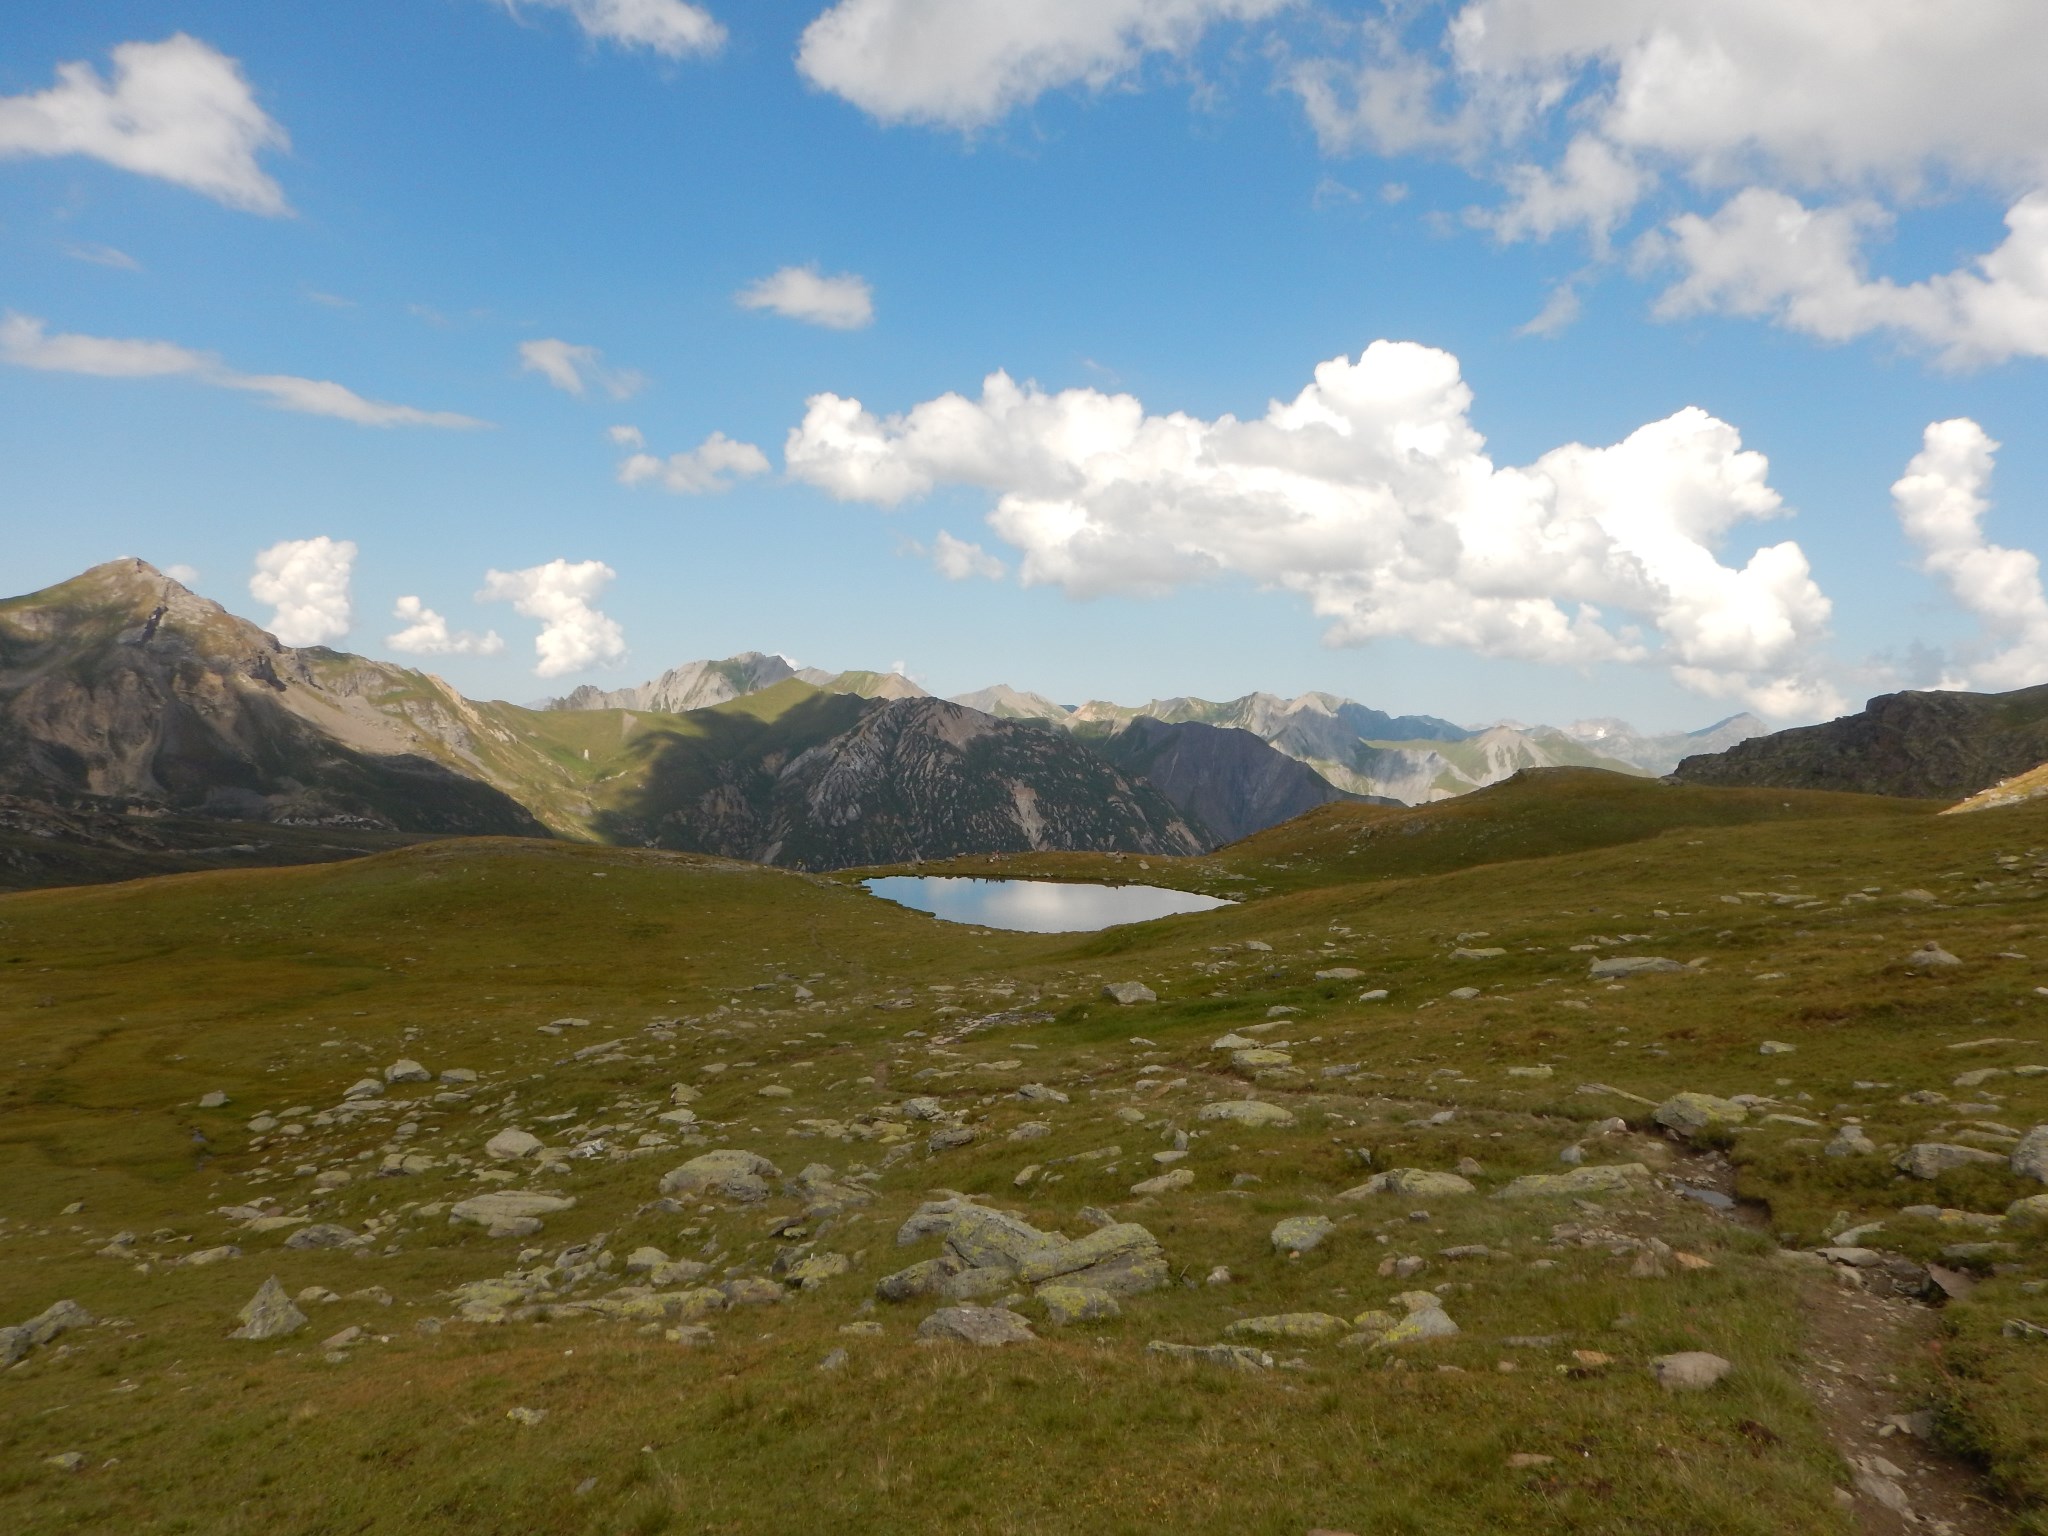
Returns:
(1037, 906)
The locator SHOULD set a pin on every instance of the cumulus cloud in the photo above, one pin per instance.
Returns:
(1764, 253)
(842, 303)
(966, 63)
(672, 28)
(1371, 495)
(573, 369)
(306, 581)
(1941, 504)
(960, 560)
(426, 633)
(712, 466)
(177, 110)
(184, 575)
(25, 343)
(626, 436)
(574, 636)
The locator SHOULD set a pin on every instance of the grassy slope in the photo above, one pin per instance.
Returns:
(121, 1005)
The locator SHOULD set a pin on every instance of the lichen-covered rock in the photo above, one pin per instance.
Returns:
(2030, 1157)
(987, 1327)
(508, 1205)
(1299, 1327)
(813, 1270)
(511, 1144)
(727, 1174)
(269, 1314)
(1250, 1113)
(325, 1234)
(1301, 1234)
(1066, 1305)
(2034, 1208)
(1123, 1259)
(984, 1239)
(1690, 1113)
(1234, 1357)
(1605, 1179)
(1411, 1183)
(1164, 1183)
(1931, 1159)
(1125, 993)
(921, 1281)
(407, 1071)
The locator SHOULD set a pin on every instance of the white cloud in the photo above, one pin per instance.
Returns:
(574, 369)
(306, 580)
(1371, 495)
(1941, 505)
(842, 303)
(574, 636)
(103, 256)
(427, 634)
(966, 63)
(184, 575)
(178, 110)
(1593, 188)
(1764, 253)
(960, 560)
(25, 343)
(626, 436)
(671, 28)
(712, 466)
(1559, 313)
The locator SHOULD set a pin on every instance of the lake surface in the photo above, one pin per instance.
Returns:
(1037, 906)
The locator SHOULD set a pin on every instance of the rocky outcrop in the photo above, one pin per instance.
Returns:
(1935, 746)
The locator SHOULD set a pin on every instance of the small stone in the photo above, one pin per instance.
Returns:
(1521, 1460)
(2030, 1157)
(1296, 1327)
(1615, 967)
(1165, 1183)
(1775, 1048)
(214, 1100)
(405, 1071)
(1692, 1370)
(1038, 1093)
(1411, 1183)
(835, 1360)
(1246, 1112)
(367, 1088)
(511, 1144)
(951, 1137)
(528, 1418)
(987, 1327)
(1690, 1113)
(1235, 1357)
(321, 1235)
(1125, 993)
(1931, 957)
(1221, 1276)
(774, 1091)
(501, 1207)
(1605, 1179)
(66, 1461)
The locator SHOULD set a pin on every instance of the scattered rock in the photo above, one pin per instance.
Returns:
(1690, 1113)
(1165, 1183)
(1692, 1370)
(1302, 1234)
(528, 1418)
(1931, 957)
(1235, 1357)
(324, 1234)
(1615, 967)
(404, 1071)
(1931, 1159)
(949, 1138)
(214, 1100)
(1606, 1179)
(2030, 1157)
(1850, 1142)
(1411, 1183)
(269, 1315)
(983, 1326)
(506, 1208)
(1124, 993)
(1775, 1048)
(728, 1174)
(1299, 1327)
(367, 1088)
(1246, 1112)
(1068, 1304)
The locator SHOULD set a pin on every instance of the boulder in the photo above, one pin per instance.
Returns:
(1931, 1159)
(952, 1136)
(2034, 1208)
(1165, 1183)
(1123, 1259)
(1411, 1183)
(983, 1326)
(1234, 1357)
(814, 1269)
(269, 1315)
(727, 1174)
(511, 1144)
(1690, 1113)
(1850, 1142)
(1038, 1093)
(367, 1088)
(1302, 1234)
(509, 1205)
(1931, 957)
(406, 1071)
(1259, 1057)
(984, 1239)
(1125, 993)
(1246, 1112)
(2030, 1157)
(1615, 967)
(920, 1282)
(1605, 1179)
(1426, 1319)
(57, 1318)
(1692, 1370)
(1066, 1305)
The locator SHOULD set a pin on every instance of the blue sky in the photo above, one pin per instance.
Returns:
(1150, 215)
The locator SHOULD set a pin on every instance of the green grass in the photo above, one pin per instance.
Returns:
(121, 1005)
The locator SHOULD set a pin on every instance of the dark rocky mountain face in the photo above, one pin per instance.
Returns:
(123, 691)
(835, 781)
(1937, 746)
(1229, 783)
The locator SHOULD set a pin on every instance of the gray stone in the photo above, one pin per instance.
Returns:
(727, 1174)
(1412, 1183)
(1850, 1142)
(406, 1071)
(1931, 1159)
(1690, 1113)
(1615, 967)
(367, 1088)
(750, 1291)
(1234, 1357)
(1124, 1260)
(983, 1326)
(269, 1315)
(214, 1100)
(920, 1282)
(57, 1318)
(1165, 1183)
(923, 1108)
(1066, 1305)
(951, 1137)
(1605, 1179)
(14, 1345)
(2034, 1208)
(1293, 1327)
(1931, 957)
(1038, 1093)
(2030, 1157)
(1692, 1370)
(1775, 1048)
(1246, 1112)
(1125, 993)
(1302, 1234)
(325, 1234)
(506, 1205)
(986, 1239)
(511, 1144)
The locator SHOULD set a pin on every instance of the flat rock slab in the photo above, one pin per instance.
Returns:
(1690, 1113)
(1616, 967)
(728, 1173)
(1931, 1159)
(1126, 993)
(1302, 1234)
(1413, 1183)
(1247, 1112)
(1607, 1179)
(987, 1327)
(509, 1205)
(1233, 1357)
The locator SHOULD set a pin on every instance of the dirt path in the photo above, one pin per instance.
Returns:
(1858, 1349)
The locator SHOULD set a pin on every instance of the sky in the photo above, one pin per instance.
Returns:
(1496, 359)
